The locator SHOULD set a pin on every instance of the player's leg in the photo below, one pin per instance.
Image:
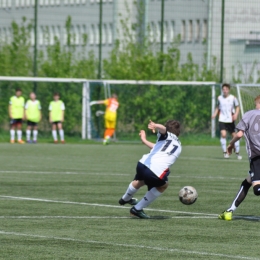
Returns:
(237, 147)
(12, 131)
(19, 131)
(107, 131)
(28, 132)
(223, 139)
(35, 133)
(133, 187)
(54, 132)
(61, 132)
(242, 192)
(156, 187)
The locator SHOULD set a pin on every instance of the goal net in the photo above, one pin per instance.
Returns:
(140, 101)
(246, 94)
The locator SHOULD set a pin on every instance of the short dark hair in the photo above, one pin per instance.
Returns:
(173, 126)
(226, 85)
(18, 89)
(56, 94)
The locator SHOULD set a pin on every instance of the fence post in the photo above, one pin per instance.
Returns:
(213, 106)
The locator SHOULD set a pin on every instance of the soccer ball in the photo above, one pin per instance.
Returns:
(188, 195)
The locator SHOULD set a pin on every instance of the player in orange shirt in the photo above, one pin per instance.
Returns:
(110, 116)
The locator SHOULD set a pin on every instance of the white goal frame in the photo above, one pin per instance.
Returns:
(86, 106)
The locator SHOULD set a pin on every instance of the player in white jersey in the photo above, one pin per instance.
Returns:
(153, 168)
(249, 126)
(228, 110)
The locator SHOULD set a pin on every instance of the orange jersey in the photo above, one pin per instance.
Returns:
(112, 105)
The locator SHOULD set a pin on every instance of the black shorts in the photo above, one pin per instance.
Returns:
(255, 169)
(230, 127)
(30, 123)
(56, 122)
(17, 121)
(143, 173)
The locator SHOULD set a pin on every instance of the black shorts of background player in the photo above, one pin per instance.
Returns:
(248, 126)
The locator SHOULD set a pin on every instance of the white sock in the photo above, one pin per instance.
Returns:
(149, 197)
(28, 135)
(237, 146)
(61, 132)
(19, 135)
(129, 192)
(54, 134)
(12, 134)
(35, 133)
(223, 142)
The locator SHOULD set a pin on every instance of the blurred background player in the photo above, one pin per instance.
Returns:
(16, 114)
(250, 127)
(228, 110)
(110, 116)
(56, 117)
(33, 115)
(153, 168)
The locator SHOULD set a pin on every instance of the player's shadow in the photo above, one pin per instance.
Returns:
(247, 218)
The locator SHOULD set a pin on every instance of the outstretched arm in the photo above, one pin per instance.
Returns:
(238, 135)
(96, 102)
(144, 140)
(153, 126)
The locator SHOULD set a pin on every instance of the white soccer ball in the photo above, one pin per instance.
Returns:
(188, 195)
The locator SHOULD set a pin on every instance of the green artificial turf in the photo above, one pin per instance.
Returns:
(61, 202)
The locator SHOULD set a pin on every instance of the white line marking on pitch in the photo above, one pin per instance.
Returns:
(42, 172)
(100, 205)
(172, 250)
(120, 174)
(95, 217)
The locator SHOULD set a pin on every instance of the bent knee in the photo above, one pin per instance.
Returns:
(162, 188)
(257, 189)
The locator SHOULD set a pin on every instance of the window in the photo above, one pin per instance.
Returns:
(66, 2)
(65, 36)
(97, 34)
(83, 34)
(165, 31)
(104, 34)
(183, 31)
(110, 34)
(41, 2)
(205, 29)
(197, 31)
(22, 3)
(151, 32)
(91, 34)
(172, 31)
(190, 31)
(32, 37)
(52, 2)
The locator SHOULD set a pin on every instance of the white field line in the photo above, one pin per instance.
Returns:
(96, 217)
(120, 174)
(46, 172)
(101, 205)
(165, 249)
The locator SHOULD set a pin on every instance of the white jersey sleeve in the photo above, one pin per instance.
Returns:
(164, 153)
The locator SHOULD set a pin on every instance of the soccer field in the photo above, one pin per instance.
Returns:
(61, 202)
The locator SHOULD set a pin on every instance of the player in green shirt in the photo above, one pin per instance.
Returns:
(56, 117)
(33, 115)
(16, 114)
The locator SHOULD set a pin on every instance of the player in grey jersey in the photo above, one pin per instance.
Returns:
(249, 126)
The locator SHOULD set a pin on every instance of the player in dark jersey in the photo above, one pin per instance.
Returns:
(249, 126)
